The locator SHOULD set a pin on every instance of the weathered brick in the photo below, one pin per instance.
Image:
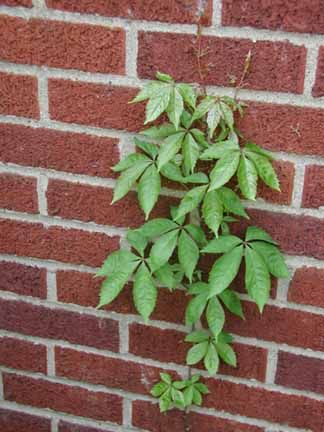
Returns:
(318, 87)
(313, 193)
(59, 324)
(191, 11)
(67, 245)
(24, 3)
(95, 105)
(22, 279)
(146, 415)
(169, 346)
(295, 16)
(83, 289)
(19, 354)
(175, 54)
(15, 421)
(93, 203)
(19, 193)
(62, 45)
(281, 325)
(290, 410)
(62, 151)
(110, 372)
(73, 427)
(18, 95)
(64, 398)
(300, 372)
(284, 128)
(306, 286)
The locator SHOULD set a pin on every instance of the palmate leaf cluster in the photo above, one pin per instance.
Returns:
(195, 143)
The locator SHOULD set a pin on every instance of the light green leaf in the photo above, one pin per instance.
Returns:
(257, 278)
(197, 353)
(190, 151)
(232, 202)
(158, 389)
(178, 398)
(188, 254)
(197, 399)
(198, 177)
(265, 170)
(191, 200)
(162, 250)
(212, 211)
(157, 227)
(215, 316)
(165, 377)
(166, 276)
(202, 388)
(195, 308)
(148, 189)
(128, 178)
(115, 261)
(148, 91)
(218, 150)
(173, 172)
(224, 270)
(169, 148)
(227, 114)
(226, 353)
(203, 107)
(149, 148)
(188, 94)
(165, 401)
(273, 258)
(137, 240)
(197, 336)
(224, 170)
(222, 244)
(199, 137)
(247, 178)
(256, 149)
(144, 292)
(232, 301)
(224, 337)
(211, 360)
(175, 107)
(164, 77)
(129, 161)
(256, 233)
(157, 132)
(199, 288)
(197, 233)
(188, 395)
(213, 119)
(158, 103)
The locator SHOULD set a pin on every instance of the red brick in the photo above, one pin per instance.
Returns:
(62, 45)
(64, 398)
(313, 193)
(294, 16)
(284, 128)
(67, 245)
(23, 280)
(276, 407)
(175, 54)
(169, 346)
(95, 105)
(110, 372)
(18, 95)
(306, 286)
(14, 421)
(73, 327)
(318, 88)
(146, 415)
(280, 325)
(73, 427)
(83, 289)
(19, 193)
(19, 354)
(61, 151)
(286, 173)
(176, 11)
(24, 3)
(300, 372)
(93, 203)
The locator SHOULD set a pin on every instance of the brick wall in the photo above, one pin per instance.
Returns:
(67, 70)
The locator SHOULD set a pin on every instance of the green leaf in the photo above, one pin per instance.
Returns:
(197, 233)
(163, 77)
(115, 261)
(195, 308)
(256, 149)
(247, 178)
(213, 119)
(199, 137)
(144, 292)
(191, 201)
(190, 151)
(188, 395)
(173, 172)
(226, 353)
(148, 91)
(128, 178)
(224, 337)
(175, 107)
(165, 401)
(129, 161)
(178, 398)
(215, 316)
(222, 244)
(227, 114)
(212, 211)
(197, 336)
(169, 148)
(197, 399)
(166, 276)
(198, 177)
(157, 132)
(273, 258)
(265, 170)
(224, 170)
(224, 270)
(232, 301)
(148, 190)
(202, 388)
(137, 240)
(256, 233)
(148, 148)
(232, 202)
(211, 360)
(257, 278)
(198, 288)
(188, 94)
(197, 353)
(158, 103)
(220, 149)
(179, 385)
(162, 250)
(158, 389)
(157, 227)
(165, 377)
(203, 107)
(188, 254)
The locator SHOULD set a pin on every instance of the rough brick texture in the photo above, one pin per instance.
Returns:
(22, 279)
(306, 286)
(313, 194)
(25, 3)
(73, 427)
(21, 193)
(14, 421)
(318, 88)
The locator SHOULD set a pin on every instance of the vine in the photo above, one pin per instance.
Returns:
(167, 251)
